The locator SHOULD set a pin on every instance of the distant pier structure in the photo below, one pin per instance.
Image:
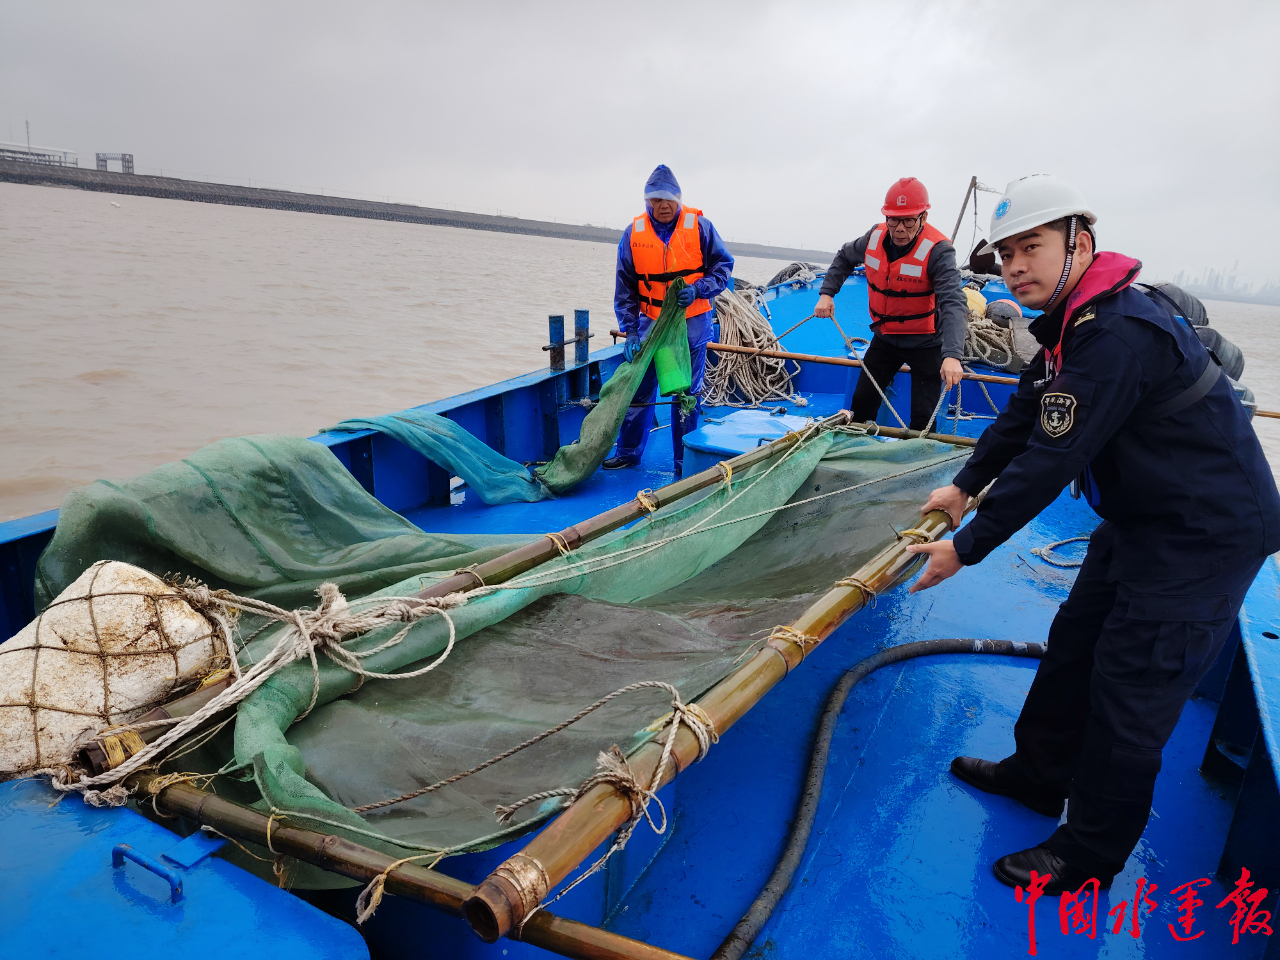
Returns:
(124, 159)
(21, 170)
(50, 156)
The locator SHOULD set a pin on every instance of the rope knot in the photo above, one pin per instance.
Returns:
(699, 723)
(561, 543)
(803, 641)
(648, 500)
(868, 595)
(726, 469)
(914, 535)
(413, 609)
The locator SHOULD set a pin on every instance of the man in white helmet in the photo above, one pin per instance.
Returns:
(1123, 397)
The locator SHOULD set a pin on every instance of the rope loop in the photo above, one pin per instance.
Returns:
(726, 469)
(1045, 553)
(803, 641)
(647, 500)
(868, 595)
(371, 896)
(914, 535)
(561, 543)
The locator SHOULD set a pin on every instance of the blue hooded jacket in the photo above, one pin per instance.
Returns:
(716, 259)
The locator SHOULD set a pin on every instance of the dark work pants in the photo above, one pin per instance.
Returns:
(638, 422)
(1123, 659)
(882, 361)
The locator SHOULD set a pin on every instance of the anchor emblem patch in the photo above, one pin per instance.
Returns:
(1057, 413)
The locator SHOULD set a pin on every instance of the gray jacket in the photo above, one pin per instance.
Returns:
(953, 308)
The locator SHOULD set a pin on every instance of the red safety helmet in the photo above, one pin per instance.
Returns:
(906, 198)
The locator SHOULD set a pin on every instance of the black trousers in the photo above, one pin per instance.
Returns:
(1123, 659)
(882, 361)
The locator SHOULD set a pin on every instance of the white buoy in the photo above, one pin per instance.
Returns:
(114, 644)
(114, 204)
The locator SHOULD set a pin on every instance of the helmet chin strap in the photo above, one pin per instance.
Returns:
(1066, 268)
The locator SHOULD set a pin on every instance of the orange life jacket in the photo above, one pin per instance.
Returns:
(899, 294)
(658, 263)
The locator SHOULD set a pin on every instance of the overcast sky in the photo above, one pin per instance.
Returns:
(785, 122)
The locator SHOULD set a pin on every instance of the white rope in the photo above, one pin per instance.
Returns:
(985, 342)
(1045, 553)
(740, 379)
(325, 629)
(942, 398)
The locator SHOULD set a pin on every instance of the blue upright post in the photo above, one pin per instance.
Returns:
(556, 346)
(581, 334)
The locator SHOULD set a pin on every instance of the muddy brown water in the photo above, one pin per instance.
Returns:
(131, 335)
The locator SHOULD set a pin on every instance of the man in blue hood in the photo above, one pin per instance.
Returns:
(668, 240)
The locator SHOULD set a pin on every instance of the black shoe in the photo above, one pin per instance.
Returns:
(1015, 869)
(986, 775)
(618, 463)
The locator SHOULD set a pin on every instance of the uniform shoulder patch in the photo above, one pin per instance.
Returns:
(1057, 414)
(1085, 317)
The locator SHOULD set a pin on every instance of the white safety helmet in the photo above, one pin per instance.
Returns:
(1033, 201)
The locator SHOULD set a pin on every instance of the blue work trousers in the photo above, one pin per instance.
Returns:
(1123, 658)
(639, 419)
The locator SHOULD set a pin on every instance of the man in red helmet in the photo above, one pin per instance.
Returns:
(918, 310)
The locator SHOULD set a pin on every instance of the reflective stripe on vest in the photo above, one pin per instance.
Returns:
(899, 295)
(658, 263)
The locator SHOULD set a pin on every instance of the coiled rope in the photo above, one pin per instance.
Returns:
(743, 379)
(1045, 553)
(985, 342)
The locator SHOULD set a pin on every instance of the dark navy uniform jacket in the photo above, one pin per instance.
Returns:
(1189, 494)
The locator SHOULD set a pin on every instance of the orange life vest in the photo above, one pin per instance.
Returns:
(658, 263)
(899, 294)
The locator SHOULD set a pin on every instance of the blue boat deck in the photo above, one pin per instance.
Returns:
(899, 863)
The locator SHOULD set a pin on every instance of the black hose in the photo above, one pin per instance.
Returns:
(749, 927)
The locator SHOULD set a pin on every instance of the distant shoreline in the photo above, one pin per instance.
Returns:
(1229, 298)
(174, 188)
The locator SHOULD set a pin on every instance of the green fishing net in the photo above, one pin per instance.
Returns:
(678, 598)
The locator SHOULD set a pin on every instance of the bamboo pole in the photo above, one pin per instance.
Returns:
(501, 901)
(525, 558)
(837, 361)
(568, 938)
(899, 434)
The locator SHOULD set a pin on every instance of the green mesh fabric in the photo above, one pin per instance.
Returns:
(679, 597)
(271, 517)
